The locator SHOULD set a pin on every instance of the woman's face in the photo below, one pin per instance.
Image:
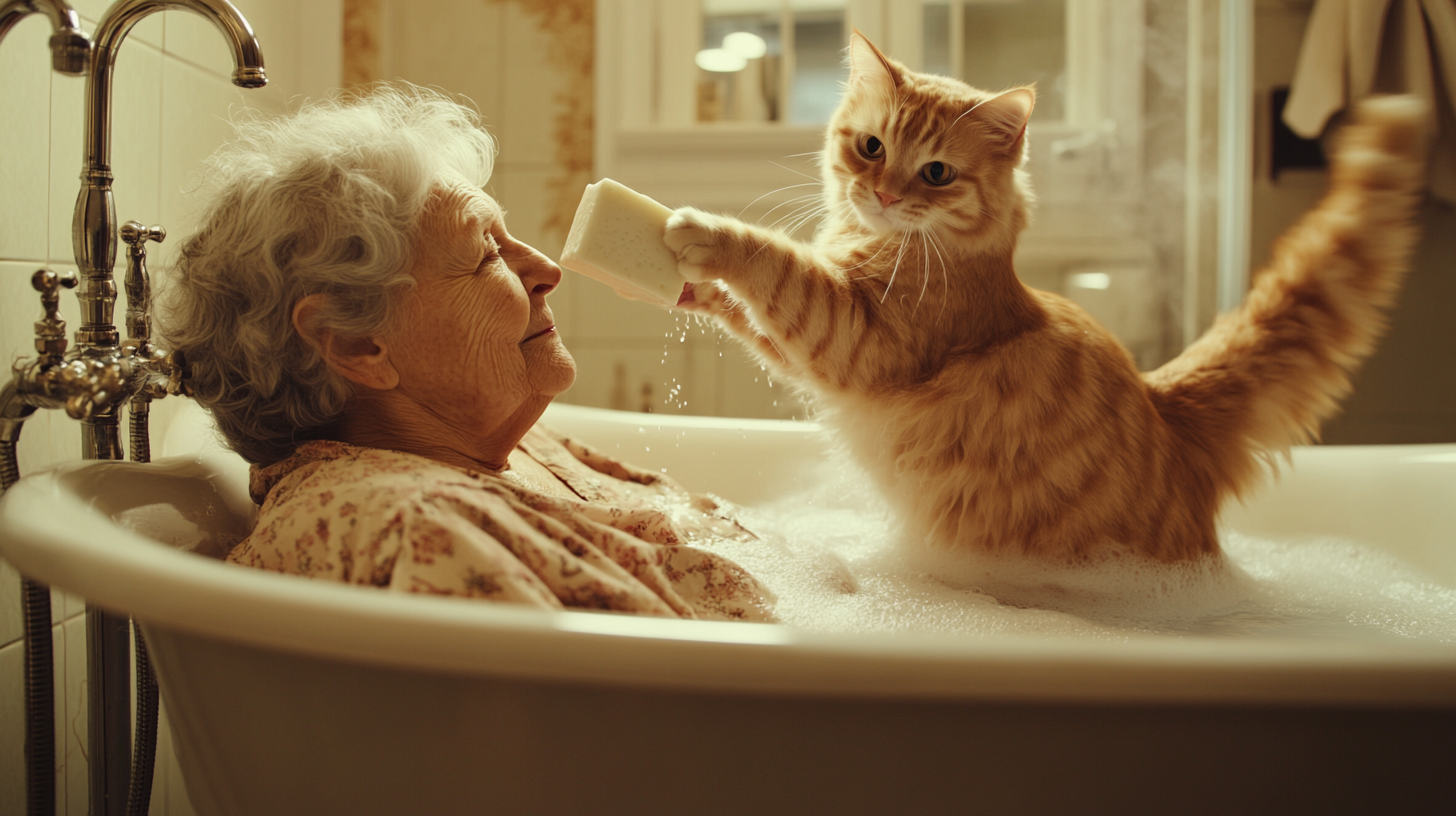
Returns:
(477, 345)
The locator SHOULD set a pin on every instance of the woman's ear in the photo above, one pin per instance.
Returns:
(360, 360)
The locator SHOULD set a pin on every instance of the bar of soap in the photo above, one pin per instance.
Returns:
(616, 238)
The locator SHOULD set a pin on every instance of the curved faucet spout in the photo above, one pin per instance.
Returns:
(118, 22)
(93, 230)
(70, 49)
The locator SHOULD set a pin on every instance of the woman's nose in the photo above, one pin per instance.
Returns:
(539, 274)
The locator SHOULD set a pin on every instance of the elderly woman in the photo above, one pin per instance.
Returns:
(367, 333)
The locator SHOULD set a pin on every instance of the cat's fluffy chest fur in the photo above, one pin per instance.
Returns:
(1000, 418)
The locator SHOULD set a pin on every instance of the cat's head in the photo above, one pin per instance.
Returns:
(907, 151)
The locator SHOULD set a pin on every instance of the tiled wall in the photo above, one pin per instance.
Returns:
(170, 106)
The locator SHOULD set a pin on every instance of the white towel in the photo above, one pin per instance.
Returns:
(1353, 48)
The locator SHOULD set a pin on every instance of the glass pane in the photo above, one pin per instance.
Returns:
(739, 66)
(819, 70)
(1010, 44)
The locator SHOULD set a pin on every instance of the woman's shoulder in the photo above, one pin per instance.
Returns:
(374, 477)
(553, 448)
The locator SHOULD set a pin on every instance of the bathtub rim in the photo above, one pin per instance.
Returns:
(164, 587)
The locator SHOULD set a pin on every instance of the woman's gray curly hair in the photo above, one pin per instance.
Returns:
(326, 200)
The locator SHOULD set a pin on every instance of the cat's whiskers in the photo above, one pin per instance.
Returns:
(944, 276)
(771, 192)
(797, 172)
(924, 269)
(800, 204)
(815, 212)
(878, 250)
(812, 205)
(898, 257)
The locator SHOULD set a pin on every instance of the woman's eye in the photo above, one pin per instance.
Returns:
(491, 253)
(871, 147)
(938, 173)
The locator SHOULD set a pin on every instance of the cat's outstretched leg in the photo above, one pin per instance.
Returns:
(808, 314)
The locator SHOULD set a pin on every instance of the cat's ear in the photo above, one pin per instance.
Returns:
(1008, 114)
(869, 69)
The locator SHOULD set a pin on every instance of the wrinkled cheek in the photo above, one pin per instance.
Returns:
(550, 367)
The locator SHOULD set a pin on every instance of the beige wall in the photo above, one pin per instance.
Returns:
(171, 102)
(1407, 392)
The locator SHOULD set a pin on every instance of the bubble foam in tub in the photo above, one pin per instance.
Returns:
(616, 238)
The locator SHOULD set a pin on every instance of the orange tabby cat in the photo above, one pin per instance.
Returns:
(999, 417)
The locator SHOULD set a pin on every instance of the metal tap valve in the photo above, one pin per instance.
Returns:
(138, 283)
(50, 330)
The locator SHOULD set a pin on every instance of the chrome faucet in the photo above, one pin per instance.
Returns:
(70, 50)
(94, 228)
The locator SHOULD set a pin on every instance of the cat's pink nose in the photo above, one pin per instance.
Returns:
(886, 199)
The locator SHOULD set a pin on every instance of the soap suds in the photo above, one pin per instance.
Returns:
(831, 556)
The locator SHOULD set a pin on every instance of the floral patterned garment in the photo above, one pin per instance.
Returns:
(632, 541)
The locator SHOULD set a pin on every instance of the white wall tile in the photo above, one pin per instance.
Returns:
(24, 146)
(12, 621)
(12, 729)
(12, 726)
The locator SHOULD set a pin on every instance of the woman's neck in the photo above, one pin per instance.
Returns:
(382, 420)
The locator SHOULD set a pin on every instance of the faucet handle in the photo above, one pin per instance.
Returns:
(136, 235)
(50, 330)
(88, 386)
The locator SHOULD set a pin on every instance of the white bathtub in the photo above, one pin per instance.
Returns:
(289, 696)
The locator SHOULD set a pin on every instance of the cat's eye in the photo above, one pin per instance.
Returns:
(871, 147)
(938, 173)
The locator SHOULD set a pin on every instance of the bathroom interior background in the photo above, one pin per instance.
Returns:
(567, 112)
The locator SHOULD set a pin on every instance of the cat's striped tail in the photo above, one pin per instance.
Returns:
(1266, 374)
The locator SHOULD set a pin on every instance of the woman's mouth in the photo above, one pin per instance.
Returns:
(542, 333)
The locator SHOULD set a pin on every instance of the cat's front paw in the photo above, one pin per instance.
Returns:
(708, 297)
(701, 242)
